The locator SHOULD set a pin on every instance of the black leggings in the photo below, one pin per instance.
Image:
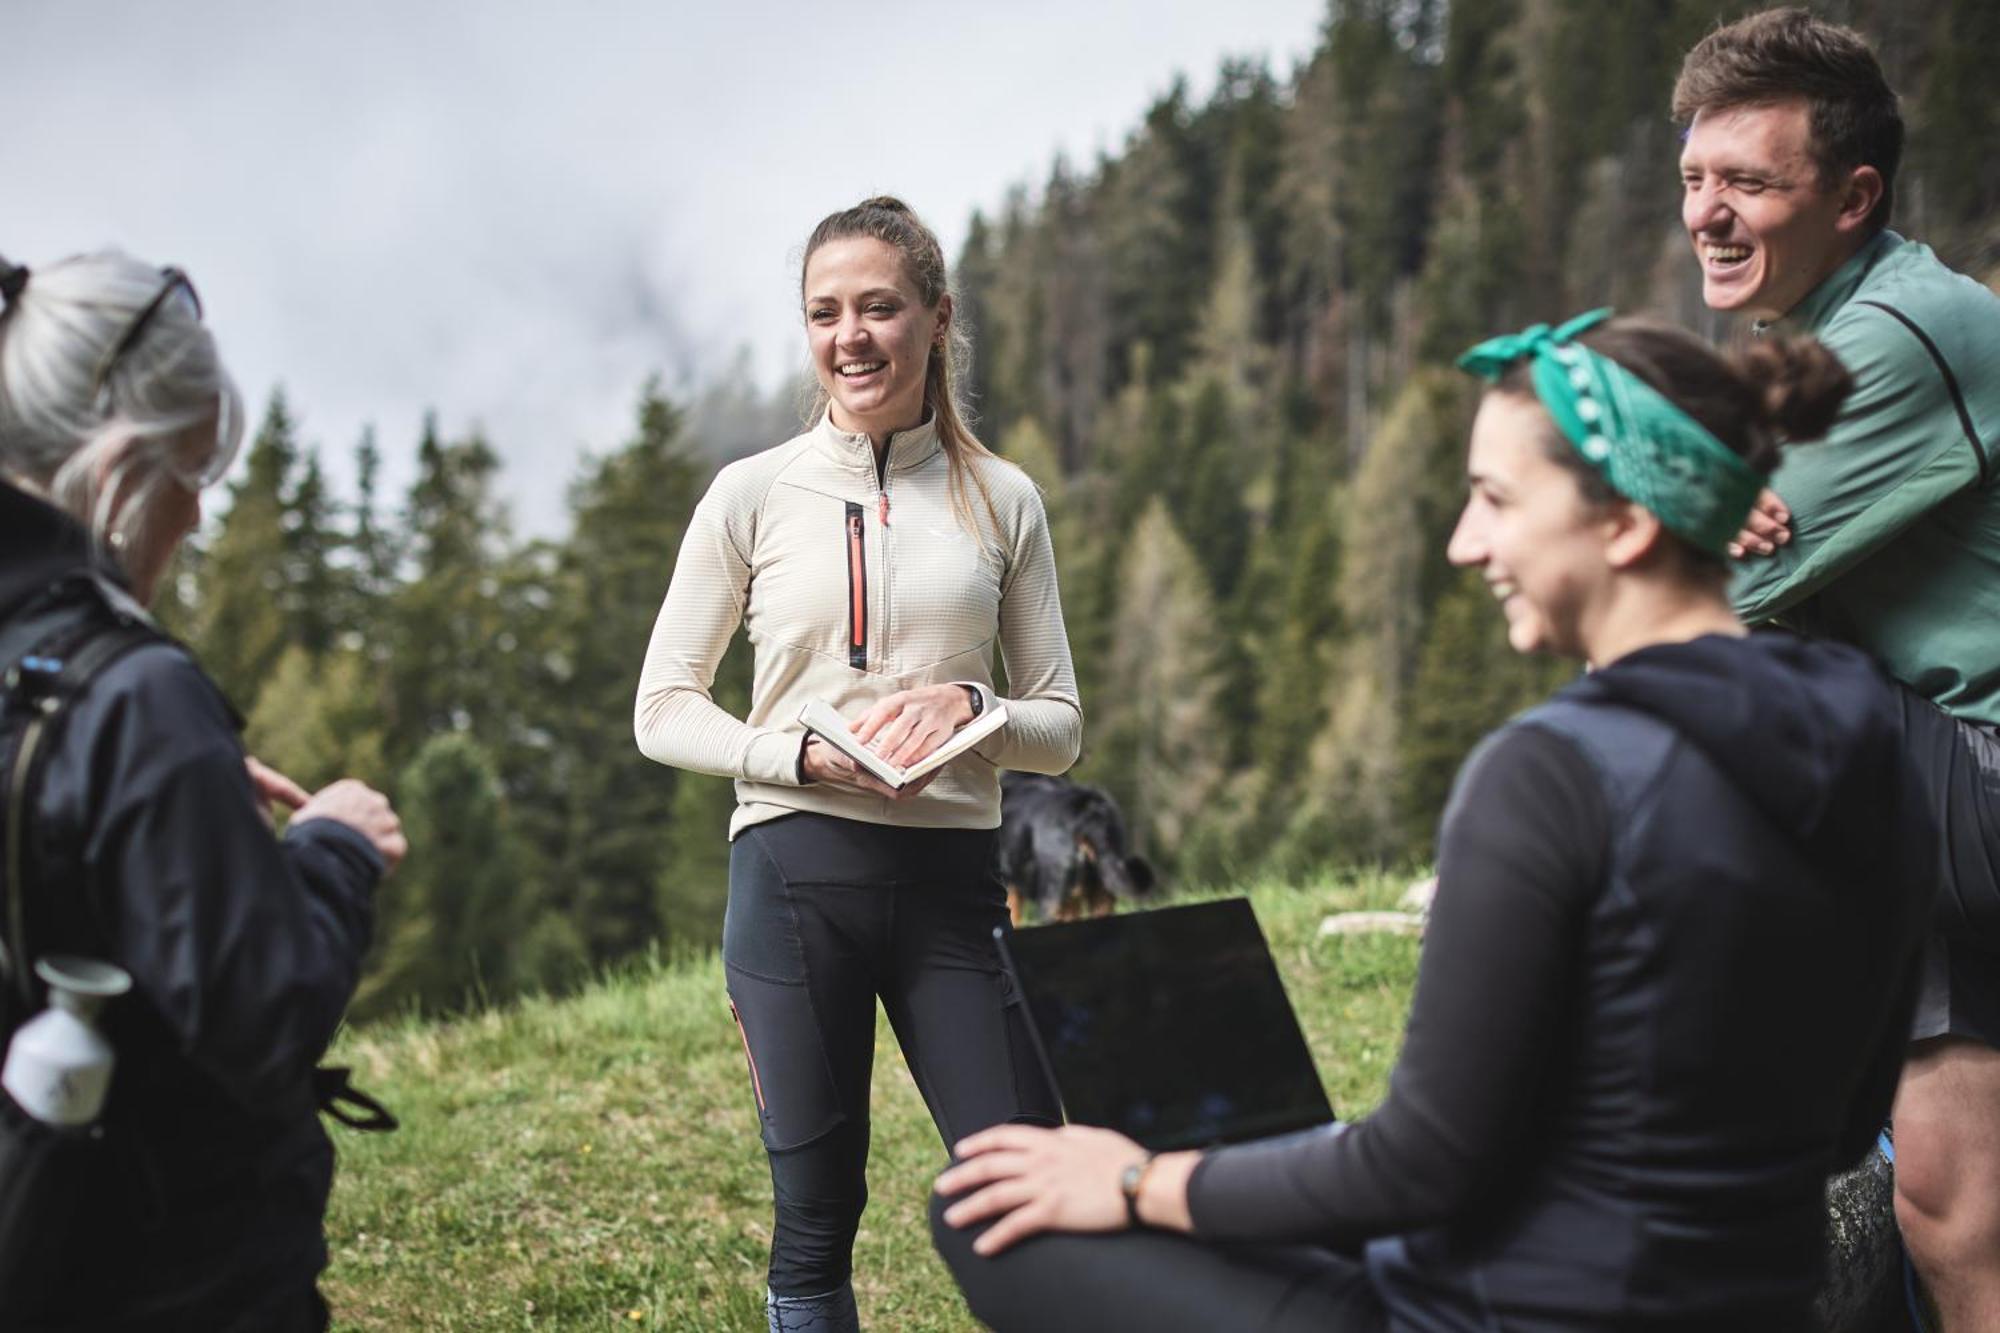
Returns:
(1158, 1282)
(824, 915)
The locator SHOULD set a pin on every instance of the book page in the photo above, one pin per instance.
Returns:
(820, 717)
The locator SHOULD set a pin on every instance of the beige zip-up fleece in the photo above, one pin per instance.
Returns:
(852, 590)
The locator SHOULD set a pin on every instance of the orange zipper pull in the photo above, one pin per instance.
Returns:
(882, 508)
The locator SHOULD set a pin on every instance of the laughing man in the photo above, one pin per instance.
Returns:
(1886, 536)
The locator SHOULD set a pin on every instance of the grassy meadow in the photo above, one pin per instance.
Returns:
(592, 1162)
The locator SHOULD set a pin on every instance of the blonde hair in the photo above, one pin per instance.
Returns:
(889, 220)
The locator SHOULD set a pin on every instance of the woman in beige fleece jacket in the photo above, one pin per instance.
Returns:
(875, 561)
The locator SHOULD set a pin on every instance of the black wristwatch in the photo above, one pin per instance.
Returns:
(1129, 1182)
(978, 699)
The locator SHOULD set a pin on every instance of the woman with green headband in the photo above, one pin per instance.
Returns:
(1667, 974)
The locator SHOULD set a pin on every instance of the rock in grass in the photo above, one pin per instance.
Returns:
(1367, 923)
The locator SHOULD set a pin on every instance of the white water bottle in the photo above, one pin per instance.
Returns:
(59, 1065)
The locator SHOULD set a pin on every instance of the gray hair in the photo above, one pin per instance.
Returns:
(103, 451)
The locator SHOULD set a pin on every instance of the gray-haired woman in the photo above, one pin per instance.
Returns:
(146, 841)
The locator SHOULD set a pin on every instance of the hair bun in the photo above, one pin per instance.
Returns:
(1800, 385)
(888, 203)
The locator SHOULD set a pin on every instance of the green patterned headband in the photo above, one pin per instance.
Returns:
(1650, 451)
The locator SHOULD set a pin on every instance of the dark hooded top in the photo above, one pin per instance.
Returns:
(1664, 993)
(150, 851)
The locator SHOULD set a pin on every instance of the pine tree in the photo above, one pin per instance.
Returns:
(629, 511)
(242, 624)
(319, 719)
(1158, 212)
(1958, 123)
(1298, 651)
(1003, 287)
(1468, 681)
(1163, 748)
(974, 278)
(314, 587)
(270, 578)
(371, 546)
(446, 619)
(447, 933)
(1390, 541)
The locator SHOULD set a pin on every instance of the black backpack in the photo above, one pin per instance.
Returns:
(49, 654)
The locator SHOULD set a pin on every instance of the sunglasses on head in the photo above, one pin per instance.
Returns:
(175, 281)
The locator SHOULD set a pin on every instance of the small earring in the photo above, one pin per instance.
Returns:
(116, 541)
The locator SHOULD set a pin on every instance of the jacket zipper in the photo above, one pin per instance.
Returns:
(857, 590)
(882, 515)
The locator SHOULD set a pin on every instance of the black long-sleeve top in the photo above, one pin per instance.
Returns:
(1518, 871)
(1663, 993)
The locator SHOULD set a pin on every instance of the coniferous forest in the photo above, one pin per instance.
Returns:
(1224, 352)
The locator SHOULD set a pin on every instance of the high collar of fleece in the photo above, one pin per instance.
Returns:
(854, 449)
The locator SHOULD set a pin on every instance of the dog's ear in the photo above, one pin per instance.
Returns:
(1141, 871)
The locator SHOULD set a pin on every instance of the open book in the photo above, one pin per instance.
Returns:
(823, 721)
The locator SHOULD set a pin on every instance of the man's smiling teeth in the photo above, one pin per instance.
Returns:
(1502, 589)
(862, 367)
(1725, 254)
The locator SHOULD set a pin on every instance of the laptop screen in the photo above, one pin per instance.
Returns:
(1170, 1026)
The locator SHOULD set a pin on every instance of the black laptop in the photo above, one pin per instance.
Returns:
(1170, 1026)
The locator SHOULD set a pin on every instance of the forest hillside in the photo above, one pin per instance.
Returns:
(1223, 351)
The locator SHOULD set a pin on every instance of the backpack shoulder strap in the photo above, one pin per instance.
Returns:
(49, 654)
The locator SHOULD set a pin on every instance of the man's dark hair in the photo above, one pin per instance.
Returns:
(1783, 54)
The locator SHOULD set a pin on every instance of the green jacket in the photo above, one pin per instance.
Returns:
(1896, 515)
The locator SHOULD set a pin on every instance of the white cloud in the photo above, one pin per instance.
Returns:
(515, 212)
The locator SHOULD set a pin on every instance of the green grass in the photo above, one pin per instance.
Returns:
(592, 1162)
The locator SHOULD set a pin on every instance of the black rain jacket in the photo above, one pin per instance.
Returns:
(148, 849)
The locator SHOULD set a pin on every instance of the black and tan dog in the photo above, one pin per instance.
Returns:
(1061, 850)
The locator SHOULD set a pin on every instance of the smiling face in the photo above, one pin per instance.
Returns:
(1528, 530)
(1766, 227)
(871, 335)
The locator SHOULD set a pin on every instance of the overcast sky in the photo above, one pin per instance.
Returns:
(515, 212)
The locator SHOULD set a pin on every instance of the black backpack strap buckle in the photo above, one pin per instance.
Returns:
(336, 1094)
